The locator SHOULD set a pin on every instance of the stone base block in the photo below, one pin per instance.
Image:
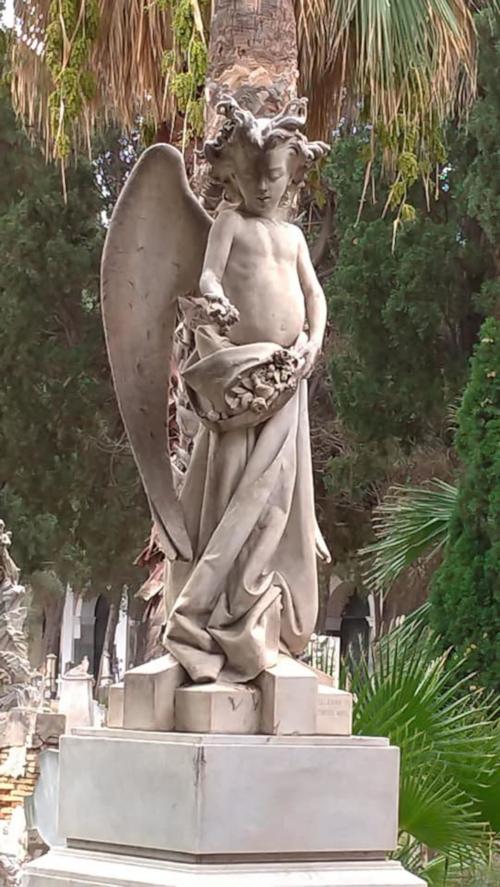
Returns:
(116, 699)
(228, 796)
(149, 692)
(73, 868)
(76, 701)
(217, 708)
(334, 712)
(289, 698)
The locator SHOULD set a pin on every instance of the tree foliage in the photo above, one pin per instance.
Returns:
(404, 321)
(392, 61)
(482, 181)
(466, 589)
(403, 318)
(69, 488)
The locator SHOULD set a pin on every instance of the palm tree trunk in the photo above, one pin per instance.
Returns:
(252, 56)
(253, 53)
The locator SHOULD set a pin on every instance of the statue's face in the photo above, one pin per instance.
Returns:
(263, 181)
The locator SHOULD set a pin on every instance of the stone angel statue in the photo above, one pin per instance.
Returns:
(239, 531)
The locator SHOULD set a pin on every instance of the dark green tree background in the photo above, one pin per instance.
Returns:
(466, 590)
(406, 318)
(69, 489)
(404, 322)
(465, 597)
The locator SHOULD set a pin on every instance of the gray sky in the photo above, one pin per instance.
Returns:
(9, 12)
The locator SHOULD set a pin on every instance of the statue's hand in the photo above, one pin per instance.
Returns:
(210, 308)
(221, 311)
(308, 353)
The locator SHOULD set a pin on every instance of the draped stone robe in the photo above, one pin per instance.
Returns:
(251, 588)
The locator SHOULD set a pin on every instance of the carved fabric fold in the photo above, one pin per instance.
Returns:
(249, 509)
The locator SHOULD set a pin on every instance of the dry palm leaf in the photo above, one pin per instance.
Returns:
(408, 57)
(407, 60)
(126, 60)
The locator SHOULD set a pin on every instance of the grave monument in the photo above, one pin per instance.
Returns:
(226, 761)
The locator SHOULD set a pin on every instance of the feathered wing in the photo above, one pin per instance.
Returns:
(153, 254)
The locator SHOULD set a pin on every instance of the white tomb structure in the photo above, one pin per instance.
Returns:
(82, 632)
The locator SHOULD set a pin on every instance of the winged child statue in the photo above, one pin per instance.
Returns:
(238, 527)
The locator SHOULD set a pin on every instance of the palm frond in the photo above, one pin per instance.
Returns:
(447, 736)
(409, 523)
(126, 60)
(416, 59)
(443, 872)
(413, 61)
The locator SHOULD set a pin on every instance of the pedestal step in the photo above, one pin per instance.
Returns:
(219, 795)
(73, 868)
(217, 708)
(289, 699)
(149, 692)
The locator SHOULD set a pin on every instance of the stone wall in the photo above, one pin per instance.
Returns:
(18, 776)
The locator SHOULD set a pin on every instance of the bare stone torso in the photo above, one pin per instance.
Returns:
(261, 280)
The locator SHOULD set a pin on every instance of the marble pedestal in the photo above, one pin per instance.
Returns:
(171, 809)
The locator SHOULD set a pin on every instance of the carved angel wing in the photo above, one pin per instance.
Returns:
(153, 254)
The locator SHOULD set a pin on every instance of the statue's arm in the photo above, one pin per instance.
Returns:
(315, 302)
(217, 252)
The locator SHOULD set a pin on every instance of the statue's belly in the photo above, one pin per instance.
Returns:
(268, 313)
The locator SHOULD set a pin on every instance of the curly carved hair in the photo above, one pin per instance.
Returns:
(242, 135)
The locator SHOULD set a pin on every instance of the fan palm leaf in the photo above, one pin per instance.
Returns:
(443, 872)
(410, 59)
(414, 60)
(447, 736)
(409, 523)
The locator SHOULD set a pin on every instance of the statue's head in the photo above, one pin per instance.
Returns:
(261, 161)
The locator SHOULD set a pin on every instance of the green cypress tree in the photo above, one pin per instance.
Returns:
(465, 598)
(69, 489)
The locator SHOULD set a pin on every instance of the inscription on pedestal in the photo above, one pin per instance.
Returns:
(333, 712)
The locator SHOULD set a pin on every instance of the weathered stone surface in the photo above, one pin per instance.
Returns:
(289, 698)
(25, 726)
(149, 692)
(116, 698)
(217, 708)
(16, 727)
(334, 712)
(76, 868)
(231, 795)
(17, 688)
(76, 701)
(49, 727)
